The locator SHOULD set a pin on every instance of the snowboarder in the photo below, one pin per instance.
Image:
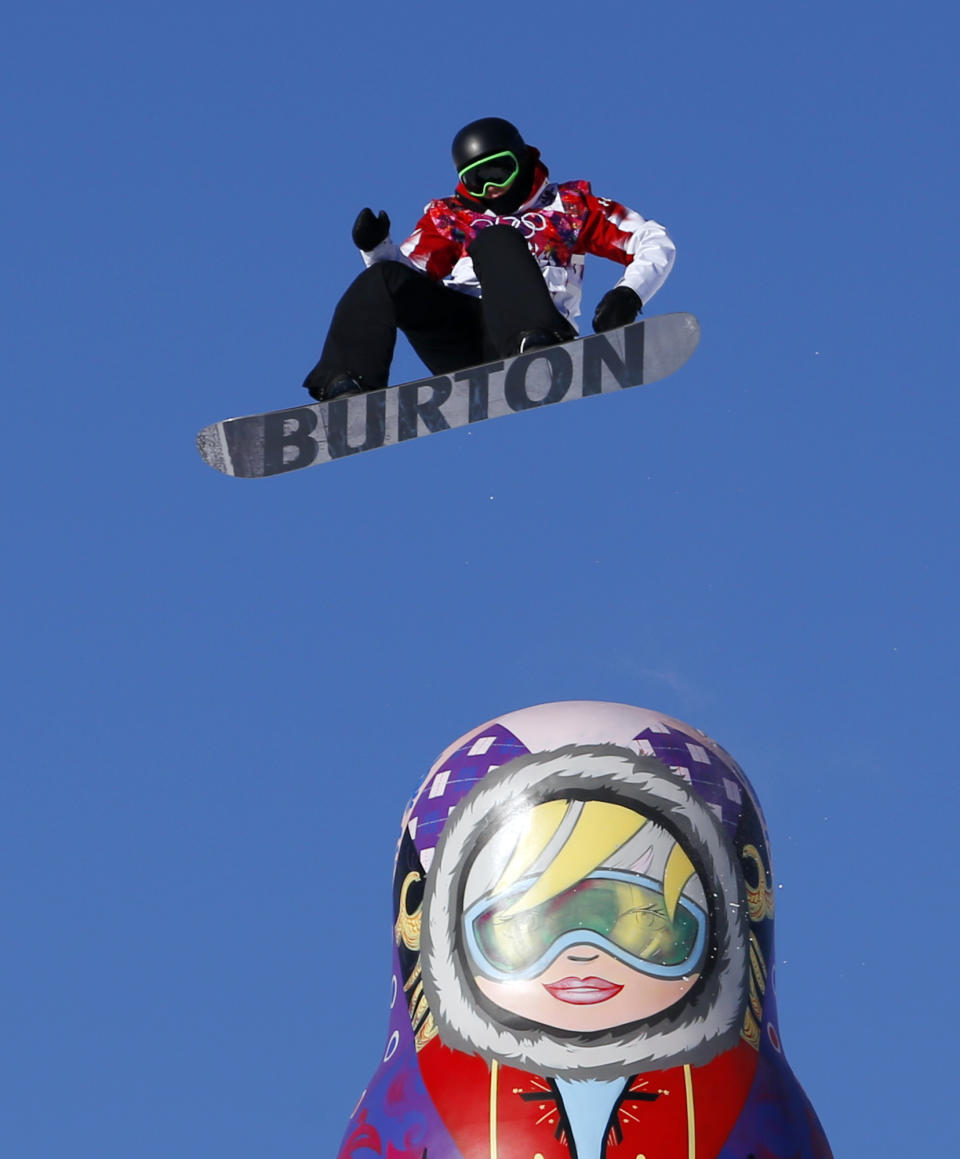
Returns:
(490, 272)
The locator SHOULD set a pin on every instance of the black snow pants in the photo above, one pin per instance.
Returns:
(448, 329)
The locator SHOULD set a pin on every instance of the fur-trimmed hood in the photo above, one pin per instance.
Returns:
(705, 1021)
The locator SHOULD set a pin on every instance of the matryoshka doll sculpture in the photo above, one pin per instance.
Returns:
(583, 953)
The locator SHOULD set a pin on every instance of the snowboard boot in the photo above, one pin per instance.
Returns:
(341, 386)
(529, 340)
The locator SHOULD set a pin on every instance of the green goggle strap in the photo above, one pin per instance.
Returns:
(485, 161)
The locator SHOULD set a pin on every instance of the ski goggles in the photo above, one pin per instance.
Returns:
(496, 172)
(623, 914)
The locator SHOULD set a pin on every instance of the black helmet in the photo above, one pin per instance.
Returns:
(485, 137)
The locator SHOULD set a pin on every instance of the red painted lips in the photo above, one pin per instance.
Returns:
(583, 991)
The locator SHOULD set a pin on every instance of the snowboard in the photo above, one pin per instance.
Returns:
(286, 440)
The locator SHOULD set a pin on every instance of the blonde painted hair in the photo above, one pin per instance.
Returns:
(574, 838)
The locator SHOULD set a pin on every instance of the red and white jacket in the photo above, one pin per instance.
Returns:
(562, 224)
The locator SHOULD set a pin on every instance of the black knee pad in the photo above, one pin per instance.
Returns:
(497, 237)
(380, 271)
(388, 276)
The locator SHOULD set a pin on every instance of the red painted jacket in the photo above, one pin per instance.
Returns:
(562, 224)
(511, 1114)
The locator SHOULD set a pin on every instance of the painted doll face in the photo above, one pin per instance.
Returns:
(586, 989)
(605, 928)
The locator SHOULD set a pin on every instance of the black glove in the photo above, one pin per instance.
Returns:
(618, 307)
(370, 231)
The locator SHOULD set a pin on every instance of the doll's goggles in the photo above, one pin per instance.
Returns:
(496, 172)
(621, 913)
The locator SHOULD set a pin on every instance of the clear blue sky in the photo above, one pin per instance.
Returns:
(220, 693)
